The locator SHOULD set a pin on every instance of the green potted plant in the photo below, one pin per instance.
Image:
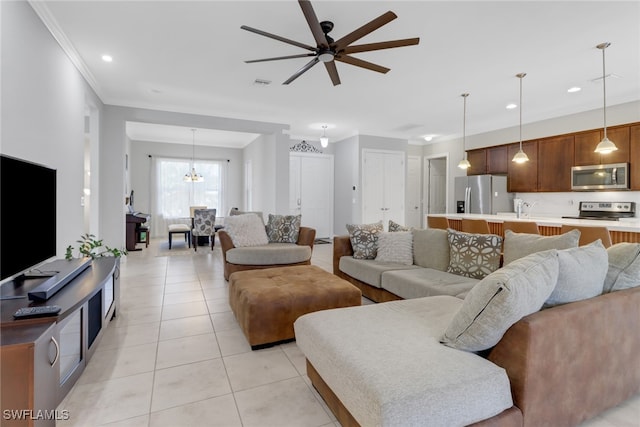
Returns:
(93, 248)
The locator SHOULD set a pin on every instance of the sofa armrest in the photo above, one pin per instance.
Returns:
(306, 236)
(568, 363)
(225, 243)
(341, 247)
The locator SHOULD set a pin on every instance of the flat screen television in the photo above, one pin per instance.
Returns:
(27, 215)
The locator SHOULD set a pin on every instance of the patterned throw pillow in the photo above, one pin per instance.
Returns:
(283, 228)
(364, 239)
(473, 255)
(394, 226)
(246, 230)
(396, 247)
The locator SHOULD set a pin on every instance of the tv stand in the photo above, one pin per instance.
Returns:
(34, 375)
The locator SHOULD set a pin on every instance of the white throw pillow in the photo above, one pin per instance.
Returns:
(500, 300)
(518, 245)
(395, 246)
(246, 230)
(581, 275)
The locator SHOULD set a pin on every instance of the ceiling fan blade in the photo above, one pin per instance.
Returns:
(333, 72)
(302, 55)
(364, 64)
(314, 24)
(365, 29)
(282, 39)
(382, 45)
(302, 70)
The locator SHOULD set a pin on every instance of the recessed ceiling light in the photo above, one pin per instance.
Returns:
(107, 58)
(428, 138)
(574, 89)
(511, 106)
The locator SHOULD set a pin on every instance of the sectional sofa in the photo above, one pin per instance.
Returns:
(432, 361)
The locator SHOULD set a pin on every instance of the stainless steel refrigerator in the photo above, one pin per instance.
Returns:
(482, 194)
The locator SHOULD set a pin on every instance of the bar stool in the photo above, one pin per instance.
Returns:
(480, 226)
(521, 227)
(440, 222)
(590, 234)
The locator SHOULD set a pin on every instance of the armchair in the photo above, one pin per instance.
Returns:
(266, 256)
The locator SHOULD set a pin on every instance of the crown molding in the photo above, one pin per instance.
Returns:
(47, 18)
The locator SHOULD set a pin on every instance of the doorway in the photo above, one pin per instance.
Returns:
(436, 185)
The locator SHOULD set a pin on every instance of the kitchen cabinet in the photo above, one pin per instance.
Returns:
(555, 158)
(497, 160)
(478, 160)
(523, 177)
(634, 157)
(586, 142)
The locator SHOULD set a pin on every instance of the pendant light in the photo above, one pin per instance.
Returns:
(521, 156)
(193, 176)
(605, 146)
(324, 141)
(464, 163)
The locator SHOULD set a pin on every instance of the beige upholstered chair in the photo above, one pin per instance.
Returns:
(521, 227)
(437, 222)
(480, 226)
(590, 234)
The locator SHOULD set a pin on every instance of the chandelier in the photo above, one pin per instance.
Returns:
(193, 176)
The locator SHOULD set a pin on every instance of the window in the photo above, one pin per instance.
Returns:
(173, 195)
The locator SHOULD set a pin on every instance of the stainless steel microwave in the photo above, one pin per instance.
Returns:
(600, 177)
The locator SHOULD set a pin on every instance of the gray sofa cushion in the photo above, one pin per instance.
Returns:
(501, 299)
(425, 282)
(369, 271)
(621, 256)
(272, 253)
(384, 363)
(581, 274)
(431, 248)
(518, 245)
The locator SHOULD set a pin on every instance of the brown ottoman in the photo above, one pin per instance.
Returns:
(266, 302)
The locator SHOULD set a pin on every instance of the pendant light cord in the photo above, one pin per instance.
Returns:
(604, 89)
(464, 125)
(521, 76)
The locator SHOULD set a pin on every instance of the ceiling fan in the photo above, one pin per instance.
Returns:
(328, 50)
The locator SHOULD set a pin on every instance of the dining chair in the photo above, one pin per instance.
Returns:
(440, 222)
(590, 234)
(530, 227)
(203, 226)
(480, 226)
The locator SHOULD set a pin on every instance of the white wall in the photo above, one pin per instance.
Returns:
(43, 99)
(346, 172)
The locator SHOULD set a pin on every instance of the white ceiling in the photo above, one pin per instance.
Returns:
(188, 56)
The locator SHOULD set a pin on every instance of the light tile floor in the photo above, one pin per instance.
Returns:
(175, 356)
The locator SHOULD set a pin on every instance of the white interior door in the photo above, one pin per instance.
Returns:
(414, 192)
(311, 191)
(435, 185)
(383, 186)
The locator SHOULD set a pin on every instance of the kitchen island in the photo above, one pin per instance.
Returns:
(624, 230)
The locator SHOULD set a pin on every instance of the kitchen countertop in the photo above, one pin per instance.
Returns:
(625, 224)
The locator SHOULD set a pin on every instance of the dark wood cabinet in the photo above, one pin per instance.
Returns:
(555, 158)
(523, 177)
(586, 142)
(478, 160)
(497, 160)
(634, 157)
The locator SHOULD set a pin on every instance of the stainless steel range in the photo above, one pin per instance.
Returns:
(610, 211)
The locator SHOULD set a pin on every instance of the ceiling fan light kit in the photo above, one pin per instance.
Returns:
(328, 50)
